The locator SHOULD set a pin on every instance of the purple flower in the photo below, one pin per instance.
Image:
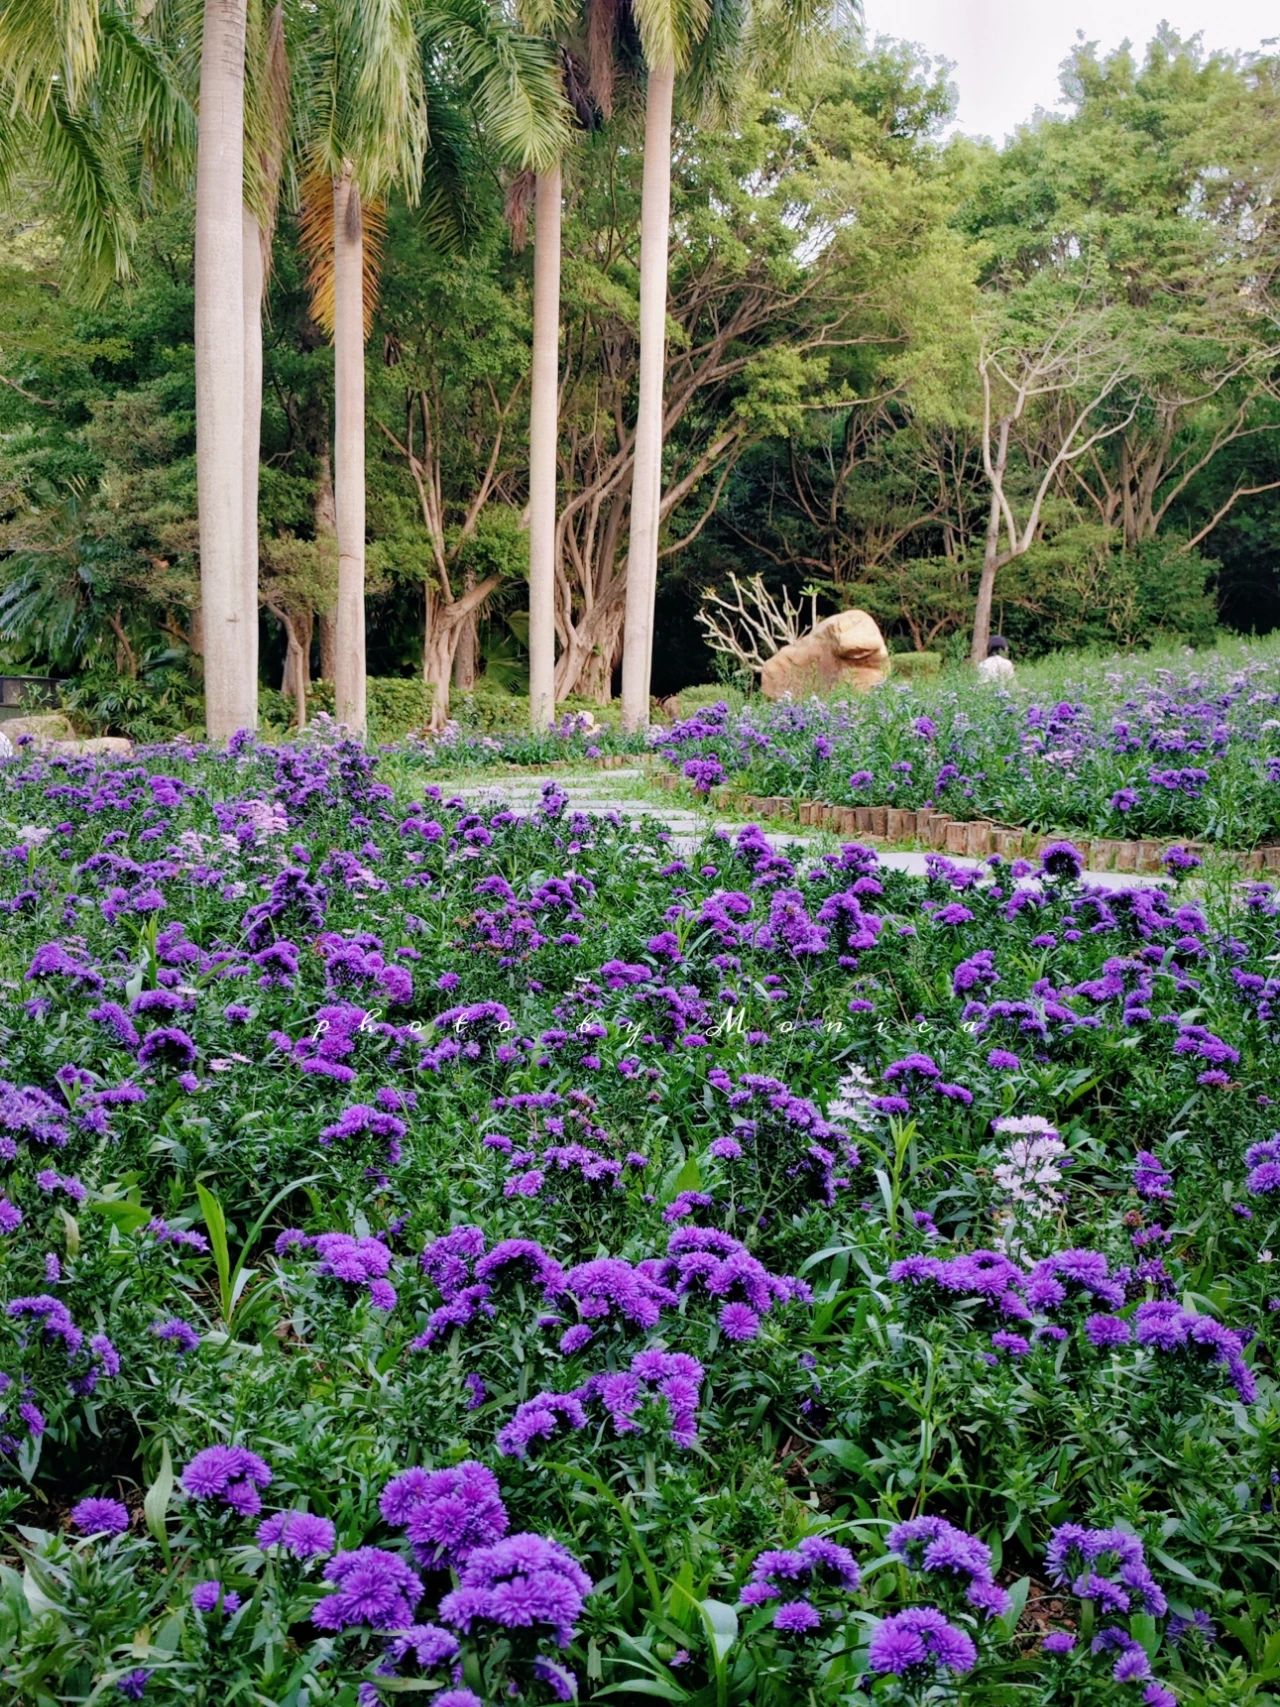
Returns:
(100, 1517)
(1151, 1179)
(206, 1596)
(370, 1587)
(134, 1683)
(446, 1514)
(917, 1642)
(1062, 861)
(525, 1580)
(1058, 1642)
(1263, 1161)
(178, 1333)
(229, 1474)
(739, 1322)
(540, 1418)
(1105, 1332)
(796, 1618)
(299, 1533)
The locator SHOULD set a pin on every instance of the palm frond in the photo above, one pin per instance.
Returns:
(145, 86)
(48, 45)
(452, 172)
(719, 57)
(512, 78)
(91, 193)
(670, 29)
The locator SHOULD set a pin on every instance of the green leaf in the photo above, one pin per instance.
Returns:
(847, 1454)
(722, 1625)
(156, 1504)
(216, 1221)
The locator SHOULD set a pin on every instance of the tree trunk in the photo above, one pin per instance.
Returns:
(990, 555)
(586, 664)
(543, 433)
(349, 687)
(219, 358)
(326, 530)
(646, 491)
(328, 630)
(465, 663)
(295, 679)
(254, 241)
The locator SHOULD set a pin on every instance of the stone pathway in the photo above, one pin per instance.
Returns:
(623, 791)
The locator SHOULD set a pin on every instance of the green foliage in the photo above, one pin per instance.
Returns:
(912, 664)
(398, 705)
(839, 266)
(157, 703)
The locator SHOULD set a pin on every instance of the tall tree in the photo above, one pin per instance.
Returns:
(589, 36)
(714, 41)
(543, 435)
(364, 128)
(267, 142)
(231, 684)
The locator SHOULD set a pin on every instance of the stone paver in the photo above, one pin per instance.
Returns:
(600, 792)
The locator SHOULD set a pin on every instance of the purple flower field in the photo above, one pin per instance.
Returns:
(1123, 751)
(496, 1257)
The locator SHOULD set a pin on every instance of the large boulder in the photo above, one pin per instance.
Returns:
(844, 652)
(41, 726)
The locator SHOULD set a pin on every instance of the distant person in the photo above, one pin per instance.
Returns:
(997, 665)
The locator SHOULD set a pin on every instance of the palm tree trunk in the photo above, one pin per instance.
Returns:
(254, 271)
(543, 431)
(326, 529)
(348, 451)
(219, 353)
(646, 491)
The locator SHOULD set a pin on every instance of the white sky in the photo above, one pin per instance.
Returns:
(1007, 53)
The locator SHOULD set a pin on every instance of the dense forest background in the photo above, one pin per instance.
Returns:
(892, 357)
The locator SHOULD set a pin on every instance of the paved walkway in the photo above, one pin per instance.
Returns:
(623, 791)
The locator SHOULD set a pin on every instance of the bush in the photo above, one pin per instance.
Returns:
(913, 664)
(398, 705)
(709, 693)
(487, 707)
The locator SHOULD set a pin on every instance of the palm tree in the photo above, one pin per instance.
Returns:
(363, 127)
(585, 33)
(544, 389)
(464, 64)
(92, 106)
(713, 42)
(266, 149)
(230, 693)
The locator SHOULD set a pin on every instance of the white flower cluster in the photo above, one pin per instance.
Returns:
(1030, 1174)
(851, 1105)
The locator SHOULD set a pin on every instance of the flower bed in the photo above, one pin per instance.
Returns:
(1178, 755)
(483, 1253)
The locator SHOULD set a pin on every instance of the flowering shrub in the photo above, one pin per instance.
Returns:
(493, 1256)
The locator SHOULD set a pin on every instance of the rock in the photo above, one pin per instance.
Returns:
(97, 744)
(845, 651)
(41, 726)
